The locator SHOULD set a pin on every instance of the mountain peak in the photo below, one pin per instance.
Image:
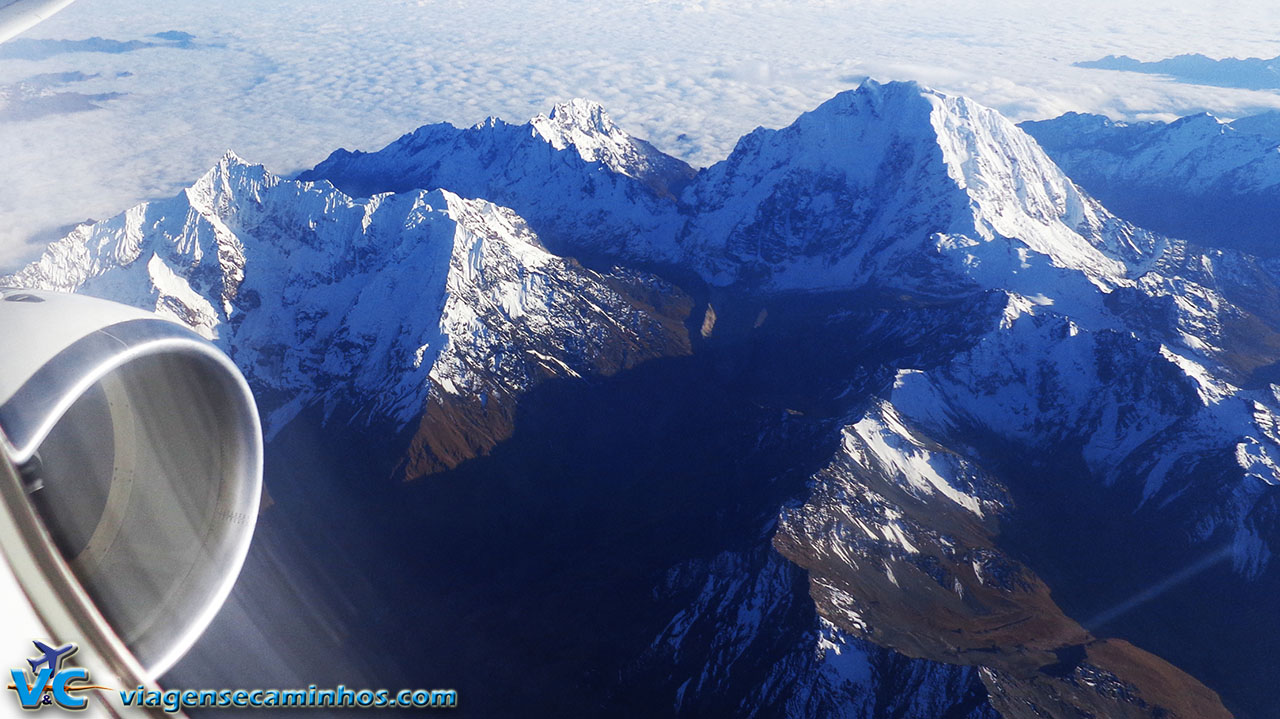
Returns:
(583, 115)
(876, 97)
(231, 158)
(874, 182)
(232, 165)
(1200, 119)
(582, 183)
(585, 127)
(371, 304)
(230, 174)
(873, 87)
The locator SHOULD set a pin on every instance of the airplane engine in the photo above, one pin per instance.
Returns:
(130, 479)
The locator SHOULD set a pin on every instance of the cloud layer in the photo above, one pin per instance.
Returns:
(285, 83)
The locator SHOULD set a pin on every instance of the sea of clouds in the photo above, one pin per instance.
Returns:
(113, 102)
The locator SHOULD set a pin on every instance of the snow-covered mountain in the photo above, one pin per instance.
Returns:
(1252, 73)
(1264, 124)
(749, 604)
(1117, 353)
(900, 556)
(902, 298)
(897, 184)
(397, 308)
(819, 204)
(904, 188)
(1199, 178)
(582, 182)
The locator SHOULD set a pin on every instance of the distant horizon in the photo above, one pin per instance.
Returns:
(1247, 73)
(136, 100)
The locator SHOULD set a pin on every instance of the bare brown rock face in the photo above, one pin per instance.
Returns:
(928, 579)
(453, 430)
(457, 427)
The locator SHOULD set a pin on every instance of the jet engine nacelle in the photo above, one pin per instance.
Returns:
(130, 477)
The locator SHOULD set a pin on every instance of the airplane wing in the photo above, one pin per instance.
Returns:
(17, 16)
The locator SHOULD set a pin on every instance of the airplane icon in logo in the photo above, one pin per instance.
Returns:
(52, 657)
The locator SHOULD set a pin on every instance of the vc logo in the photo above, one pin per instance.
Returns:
(50, 682)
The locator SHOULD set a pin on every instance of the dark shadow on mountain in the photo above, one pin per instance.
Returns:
(1163, 593)
(1248, 73)
(1244, 222)
(537, 566)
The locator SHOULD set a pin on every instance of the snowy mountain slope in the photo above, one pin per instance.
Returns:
(378, 308)
(1106, 335)
(749, 605)
(1197, 153)
(1198, 178)
(1141, 456)
(1264, 124)
(887, 179)
(1120, 354)
(1005, 361)
(893, 185)
(583, 184)
(893, 563)
(899, 184)
(1136, 413)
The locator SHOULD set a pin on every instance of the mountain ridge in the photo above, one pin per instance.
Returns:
(294, 280)
(990, 324)
(1198, 178)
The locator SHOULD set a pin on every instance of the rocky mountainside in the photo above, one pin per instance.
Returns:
(1199, 178)
(420, 307)
(901, 186)
(816, 205)
(952, 438)
(581, 181)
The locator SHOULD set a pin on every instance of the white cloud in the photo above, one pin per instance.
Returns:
(286, 82)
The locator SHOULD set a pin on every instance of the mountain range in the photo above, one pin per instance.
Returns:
(882, 415)
(1200, 178)
(1251, 73)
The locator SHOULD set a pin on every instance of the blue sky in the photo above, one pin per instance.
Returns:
(90, 127)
